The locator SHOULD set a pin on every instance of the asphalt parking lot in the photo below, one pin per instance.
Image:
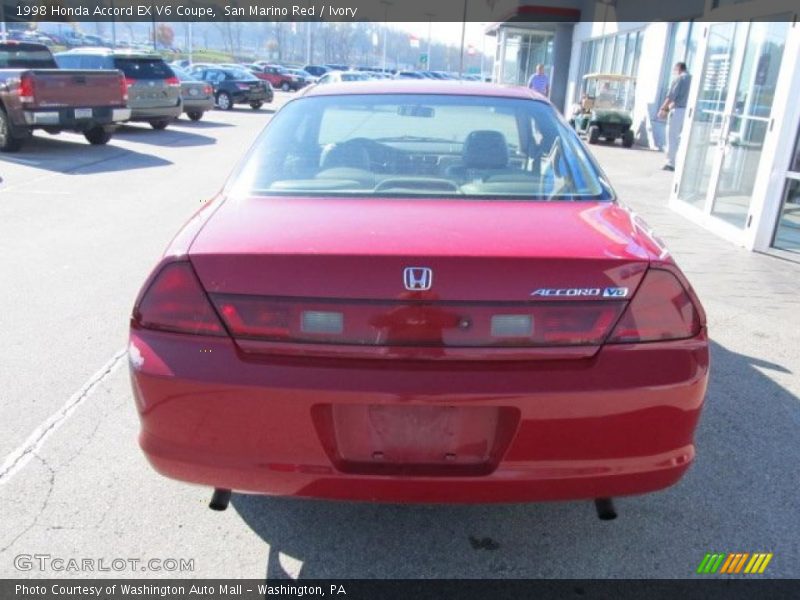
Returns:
(82, 226)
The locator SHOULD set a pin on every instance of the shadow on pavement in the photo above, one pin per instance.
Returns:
(170, 137)
(205, 123)
(739, 496)
(60, 154)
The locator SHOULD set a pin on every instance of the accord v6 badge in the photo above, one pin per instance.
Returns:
(609, 292)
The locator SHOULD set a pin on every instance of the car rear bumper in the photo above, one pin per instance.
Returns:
(244, 97)
(617, 424)
(75, 118)
(198, 104)
(158, 112)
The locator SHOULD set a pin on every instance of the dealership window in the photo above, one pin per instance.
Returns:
(617, 53)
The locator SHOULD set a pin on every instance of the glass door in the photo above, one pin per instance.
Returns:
(731, 118)
(749, 121)
(708, 128)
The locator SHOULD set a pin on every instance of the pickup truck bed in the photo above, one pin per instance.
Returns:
(91, 102)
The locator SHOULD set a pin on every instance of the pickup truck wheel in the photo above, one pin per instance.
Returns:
(97, 136)
(256, 105)
(285, 86)
(195, 115)
(159, 123)
(224, 101)
(8, 143)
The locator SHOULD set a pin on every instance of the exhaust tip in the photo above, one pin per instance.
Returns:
(605, 509)
(220, 499)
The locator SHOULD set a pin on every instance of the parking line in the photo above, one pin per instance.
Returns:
(20, 457)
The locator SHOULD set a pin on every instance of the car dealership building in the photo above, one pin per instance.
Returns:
(738, 167)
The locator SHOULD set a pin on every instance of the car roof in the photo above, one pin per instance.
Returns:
(427, 86)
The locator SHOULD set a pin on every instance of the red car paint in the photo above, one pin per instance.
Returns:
(430, 412)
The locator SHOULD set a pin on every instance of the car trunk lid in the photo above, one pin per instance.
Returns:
(419, 278)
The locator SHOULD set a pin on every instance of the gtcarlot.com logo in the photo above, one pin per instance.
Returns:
(48, 562)
(733, 563)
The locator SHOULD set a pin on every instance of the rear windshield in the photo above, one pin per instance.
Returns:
(143, 68)
(21, 58)
(421, 145)
(241, 74)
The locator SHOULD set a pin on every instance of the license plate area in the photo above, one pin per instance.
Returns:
(394, 439)
(83, 113)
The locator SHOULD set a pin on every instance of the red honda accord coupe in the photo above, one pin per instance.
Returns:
(419, 292)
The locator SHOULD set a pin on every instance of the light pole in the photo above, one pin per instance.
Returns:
(430, 24)
(3, 33)
(386, 4)
(463, 34)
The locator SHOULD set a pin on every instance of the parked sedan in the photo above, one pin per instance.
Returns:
(343, 76)
(419, 292)
(198, 96)
(236, 86)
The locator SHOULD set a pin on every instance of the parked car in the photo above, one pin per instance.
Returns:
(316, 70)
(279, 77)
(36, 94)
(197, 95)
(236, 86)
(409, 75)
(154, 92)
(506, 332)
(340, 76)
(304, 78)
(195, 68)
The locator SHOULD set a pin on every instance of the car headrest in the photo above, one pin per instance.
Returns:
(485, 149)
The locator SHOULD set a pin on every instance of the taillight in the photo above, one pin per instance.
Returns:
(129, 82)
(175, 301)
(123, 88)
(173, 81)
(660, 310)
(208, 90)
(417, 324)
(27, 88)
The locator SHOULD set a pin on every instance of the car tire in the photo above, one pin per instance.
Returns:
(98, 136)
(256, 105)
(159, 124)
(593, 134)
(195, 115)
(8, 142)
(224, 101)
(627, 139)
(285, 86)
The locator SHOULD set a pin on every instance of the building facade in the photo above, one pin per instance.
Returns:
(738, 167)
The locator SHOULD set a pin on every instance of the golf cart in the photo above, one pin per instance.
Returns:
(605, 108)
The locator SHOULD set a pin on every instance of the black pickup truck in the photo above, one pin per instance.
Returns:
(36, 94)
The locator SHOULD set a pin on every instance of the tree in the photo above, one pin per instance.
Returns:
(165, 35)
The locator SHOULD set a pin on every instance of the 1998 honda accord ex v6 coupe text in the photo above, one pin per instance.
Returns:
(419, 292)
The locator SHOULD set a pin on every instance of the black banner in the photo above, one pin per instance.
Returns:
(484, 11)
(702, 588)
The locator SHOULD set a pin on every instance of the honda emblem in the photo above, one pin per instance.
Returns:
(417, 279)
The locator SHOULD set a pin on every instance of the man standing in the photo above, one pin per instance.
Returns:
(674, 109)
(539, 81)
